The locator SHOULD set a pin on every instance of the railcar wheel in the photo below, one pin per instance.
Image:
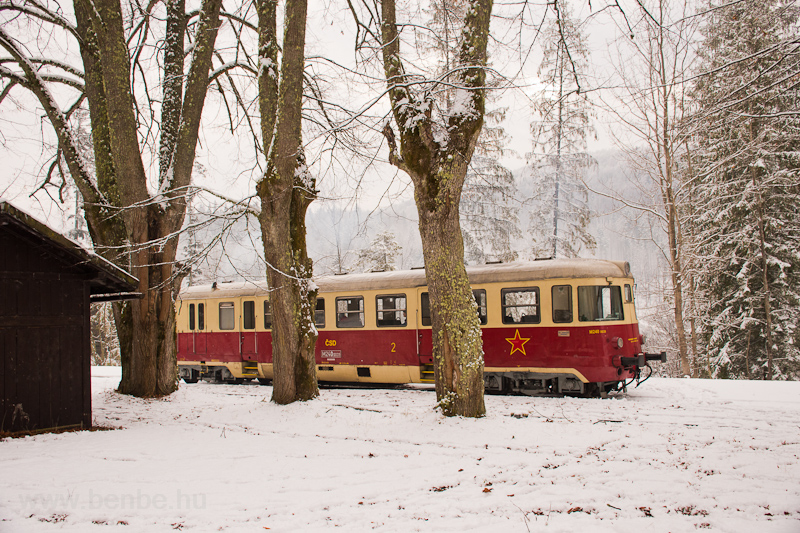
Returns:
(193, 377)
(264, 381)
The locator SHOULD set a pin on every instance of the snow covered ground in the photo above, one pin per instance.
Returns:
(673, 455)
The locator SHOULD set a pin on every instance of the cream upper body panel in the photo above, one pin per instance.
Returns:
(518, 271)
(543, 275)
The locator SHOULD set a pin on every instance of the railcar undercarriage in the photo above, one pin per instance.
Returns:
(541, 384)
(211, 374)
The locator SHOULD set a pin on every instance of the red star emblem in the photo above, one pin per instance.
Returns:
(518, 343)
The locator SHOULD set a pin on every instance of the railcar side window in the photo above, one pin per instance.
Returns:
(350, 312)
(425, 308)
(267, 315)
(249, 310)
(319, 313)
(628, 293)
(391, 310)
(201, 316)
(521, 306)
(602, 302)
(480, 299)
(191, 317)
(227, 318)
(562, 304)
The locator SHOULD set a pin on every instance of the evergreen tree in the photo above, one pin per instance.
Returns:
(488, 207)
(489, 220)
(560, 214)
(748, 154)
(381, 253)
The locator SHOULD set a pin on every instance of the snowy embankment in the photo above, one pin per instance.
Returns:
(673, 455)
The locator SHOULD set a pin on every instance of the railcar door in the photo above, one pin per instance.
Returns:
(424, 335)
(198, 336)
(247, 335)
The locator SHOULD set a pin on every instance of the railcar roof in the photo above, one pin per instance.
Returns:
(399, 279)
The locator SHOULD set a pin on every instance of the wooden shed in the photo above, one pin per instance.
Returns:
(46, 285)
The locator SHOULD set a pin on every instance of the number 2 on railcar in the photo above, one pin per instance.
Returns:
(565, 326)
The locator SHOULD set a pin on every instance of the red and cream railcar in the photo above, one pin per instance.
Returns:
(549, 327)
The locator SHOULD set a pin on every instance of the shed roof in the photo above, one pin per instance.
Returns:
(107, 281)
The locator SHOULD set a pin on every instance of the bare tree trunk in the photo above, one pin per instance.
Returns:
(286, 190)
(747, 357)
(658, 110)
(668, 194)
(689, 266)
(677, 279)
(127, 225)
(151, 227)
(765, 279)
(438, 168)
(457, 350)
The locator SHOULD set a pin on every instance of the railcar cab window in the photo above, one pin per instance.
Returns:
(628, 294)
(350, 312)
(227, 318)
(319, 313)
(267, 315)
(249, 312)
(391, 310)
(480, 299)
(602, 302)
(521, 306)
(562, 304)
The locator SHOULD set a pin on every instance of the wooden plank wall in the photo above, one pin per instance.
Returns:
(44, 340)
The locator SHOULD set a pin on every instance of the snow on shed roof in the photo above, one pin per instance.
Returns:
(110, 282)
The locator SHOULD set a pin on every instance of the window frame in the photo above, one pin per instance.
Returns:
(361, 311)
(232, 307)
(395, 310)
(600, 289)
(248, 315)
(267, 315)
(319, 313)
(425, 309)
(553, 305)
(483, 310)
(537, 305)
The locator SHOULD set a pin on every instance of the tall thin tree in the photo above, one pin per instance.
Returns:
(286, 189)
(560, 215)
